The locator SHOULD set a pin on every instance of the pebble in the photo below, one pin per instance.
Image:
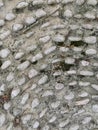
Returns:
(4, 53)
(23, 65)
(86, 73)
(10, 16)
(38, 2)
(2, 22)
(68, 13)
(72, 38)
(82, 102)
(74, 127)
(1, 3)
(21, 81)
(93, 3)
(66, 1)
(83, 94)
(35, 103)
(81, 83)
(2, 119)
(36, 125)
(89, 15)
(64, 123)
(50, 50)
(46, 127)
(58, 38)
(80, 2)
(51, 2)
(25, 118)
(30, 20)
(69, 60)
(94, 86)
(47, 93)
(17, 27)
(24, 98)
(2, 89)
(69, 96)
(90, 51)
(10, 76)
(43, 80)
(5, 34)
(7, 105)
(95, 108)
(56, 104)
(38, 56)
(15, 92)
(70, 72)
(90, 39)
(32, 73)
(59, 86)
(43, 112)
(86, 120)
(44, 39)
(6, 64)
(84, 63)
(40, 13)
(21, 5)
(19, 55)
(52, 119)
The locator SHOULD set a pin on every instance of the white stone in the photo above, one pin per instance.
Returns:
(77, 49)
(69, 96)
(37, 57)
(69, 60)
(5, 34)
(32, 73)
(6, 64)
(17, 27)
(43, 113)
(33, 86)
(2, 119)
(90, 2)
(83, 94)
(81, 83)
(64, 49)
(45, 25)
(58, 38)
(36, 125)
(72, 83)
(31, 48)
(86, 73)
(1, 43)
(24, 98)
(10, 77)
(50, 50)
(1, 3)
(59, 86)
(84, 63)
(66, 1)
(30, 20)
(43, 80)
(63, 123)
(2, 89)
(23, 65)
(87, 26)
(46, 127)
(47, 93)
(70, 72)
(89, 15)
(52, 119)
(38, 2)
(56, 104)
(40, 13)
(19, 55)
(90, 51)
(10, 16)
(94, 86)
(35, 103)
(74, 127)
(15, 92)
(7, 105)
(68, 13)
(73, 38)
(82, 102)
(21, 5)
(4, 53)
(21, 81)
(79, 2)
(44, 39)
(26, 118)
(95, 108)
(86, 120)
(51, 2)
(2, 22)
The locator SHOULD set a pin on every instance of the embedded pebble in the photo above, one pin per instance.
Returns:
(59, 86)
(35, 103)
(90, 51)
(10, 16)
(25, 98)
(36, 125)
(90, 2)
(47, 93)
(19, 55)
(86, 120)
(74, 127)
(32, 73)
(26, 118)
(6, 64)
(2, 22)
(69, 96)
(38, 2)
(50, 50)
(66, 1)
(43, 80)
(64, 123)
(68, 13)
(86, 73)
(2, 119)
(30, 20)
(52, 119)
(44, 39)
(58, 38)
(43, 113)
(40, 13)
(37, 57)
(7, 105)
(82, 102)
(95, 108)
(23, 65)
(17, 27)
(15, 92)
(1, 3)
(21, 5)
(69, 60)
(5, 35)
(10, 76)
(80, 2)
(4, 53)
(54, 105)
(94, 86)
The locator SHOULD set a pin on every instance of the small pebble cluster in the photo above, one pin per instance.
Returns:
(48, 65)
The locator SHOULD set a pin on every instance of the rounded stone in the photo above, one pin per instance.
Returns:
(93, 3)
(10, 16)
(95, 108)
(68, 13)
(17, 27)
(2, 22)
